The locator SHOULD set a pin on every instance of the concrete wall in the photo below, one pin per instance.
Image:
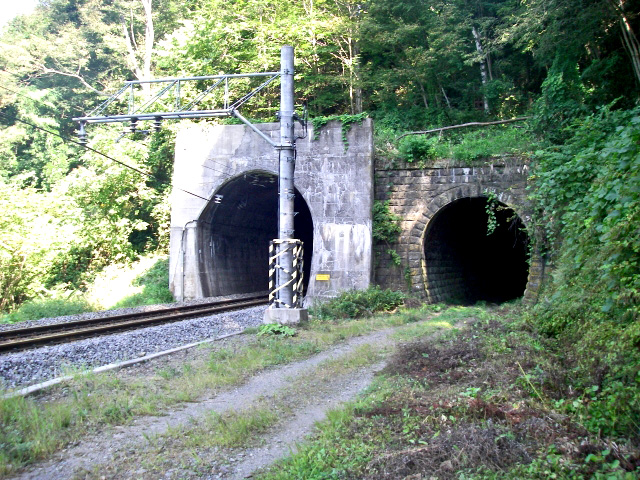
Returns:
(335, 182)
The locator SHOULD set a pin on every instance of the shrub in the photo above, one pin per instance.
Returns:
(414, 148)
(276, 329)
(155, 287)
(47, 308)
(386, 225)
(588, 192)
(358, 303)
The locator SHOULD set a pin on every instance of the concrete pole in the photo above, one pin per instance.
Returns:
(287, 167)
(286, 192)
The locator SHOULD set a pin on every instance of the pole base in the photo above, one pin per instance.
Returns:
(286, 316)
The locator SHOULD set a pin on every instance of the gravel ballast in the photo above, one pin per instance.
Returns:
(25, 368)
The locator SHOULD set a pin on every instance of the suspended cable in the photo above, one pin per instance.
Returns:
(74, 107)
(226, 175)
(67, 139)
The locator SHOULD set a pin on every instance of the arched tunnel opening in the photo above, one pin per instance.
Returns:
(465, 263)
(234, 232)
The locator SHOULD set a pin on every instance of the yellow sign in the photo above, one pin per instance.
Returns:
(323, 276)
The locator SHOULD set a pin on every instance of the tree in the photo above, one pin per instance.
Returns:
(586, 31)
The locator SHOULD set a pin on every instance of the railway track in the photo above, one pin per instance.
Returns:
(29, 337)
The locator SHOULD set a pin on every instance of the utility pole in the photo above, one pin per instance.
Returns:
(285, 310)
(285, 269)
(287, 169)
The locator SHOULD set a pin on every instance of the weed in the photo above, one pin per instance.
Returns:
(386, 225)
(237, 429)
(346, 120)
(276, 329)
(32, 428)
(430, 414)
(46, 308)
(358, 303)
(467, 147)
(168, 372)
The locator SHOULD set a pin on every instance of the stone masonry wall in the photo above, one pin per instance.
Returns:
(417, 194)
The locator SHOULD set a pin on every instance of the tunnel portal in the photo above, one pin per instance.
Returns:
(464, 264)
(234, 232)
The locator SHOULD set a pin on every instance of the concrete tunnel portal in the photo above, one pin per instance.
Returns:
(234, 231)
(465, 264)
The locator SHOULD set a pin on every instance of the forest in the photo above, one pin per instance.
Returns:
(572, 67)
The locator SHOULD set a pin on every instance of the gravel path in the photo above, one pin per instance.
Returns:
(98, 456)
(38, 365)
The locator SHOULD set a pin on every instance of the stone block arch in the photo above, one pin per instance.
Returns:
(417, 195)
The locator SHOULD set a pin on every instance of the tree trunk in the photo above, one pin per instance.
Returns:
(356, 78)
(424, 96)
(142, 70)
(149, 35)
(444, 94)
(629, 38)
(483, 68)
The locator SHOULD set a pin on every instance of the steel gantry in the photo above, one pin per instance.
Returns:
(285, 269)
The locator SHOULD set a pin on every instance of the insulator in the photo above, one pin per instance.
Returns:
(82, 134)
(157, 124)
(133, 126)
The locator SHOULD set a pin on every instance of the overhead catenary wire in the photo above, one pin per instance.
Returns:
(67, 139)
(224, 174)
(73, 107)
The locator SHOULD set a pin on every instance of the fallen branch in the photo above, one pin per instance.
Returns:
(472, 124)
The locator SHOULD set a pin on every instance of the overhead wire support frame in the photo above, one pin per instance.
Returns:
(285, 274)
(136, 114)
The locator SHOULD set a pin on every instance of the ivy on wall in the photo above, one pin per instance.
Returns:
(346, 120)
(386, 228)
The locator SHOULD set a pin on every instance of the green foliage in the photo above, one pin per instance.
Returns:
(561, 101)
(395, 257)
(345, 120)
(35, 227)
(487, 142)
(490, 208)
(47, 308)
(276, 329)
(466, 147)
(358, 303)
(143, 282)
(237, 429)
(386, 225)
(588, 192)
(386, 229)
(333, 453)
(153, 285)
(414, 148)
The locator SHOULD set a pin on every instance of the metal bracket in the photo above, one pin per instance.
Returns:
(236, 114)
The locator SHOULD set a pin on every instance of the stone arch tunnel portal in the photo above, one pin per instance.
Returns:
(234, 231)
(465, 264)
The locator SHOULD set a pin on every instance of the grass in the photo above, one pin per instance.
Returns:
(231, 429)
(487, 403)
(144, 282)
(465, 147)
(210, 442)
(34, 427)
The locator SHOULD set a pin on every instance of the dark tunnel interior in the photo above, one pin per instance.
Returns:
(235, 230)
(464, 265)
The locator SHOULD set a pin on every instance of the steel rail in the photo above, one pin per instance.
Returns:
(24, 338)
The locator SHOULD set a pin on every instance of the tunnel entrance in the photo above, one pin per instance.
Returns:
(234, 232)
(464, 265)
